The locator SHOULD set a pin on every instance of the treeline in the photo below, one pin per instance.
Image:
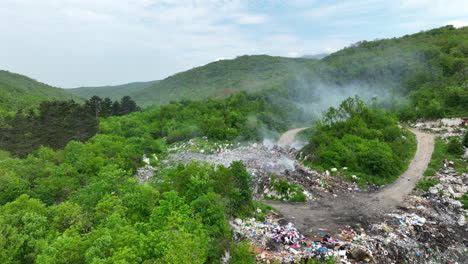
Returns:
(242, 117)
(364, 138)
(55, 123)
(106, 107)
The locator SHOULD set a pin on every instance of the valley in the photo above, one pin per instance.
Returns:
(354, 156)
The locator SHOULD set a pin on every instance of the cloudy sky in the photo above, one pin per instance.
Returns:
(71, 43)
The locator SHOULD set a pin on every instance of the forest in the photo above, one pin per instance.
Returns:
(55, 123)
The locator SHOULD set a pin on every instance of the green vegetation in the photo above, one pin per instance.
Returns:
(286, 191)
(464, 200)
(20, 92)
(439, 155)
(56, 123)
(465, 139)
(366, 139)
(241, 253)
(112, 92)
(80, 205)
(425, 184)
(455, 147)
(239, 117)
(305, 134)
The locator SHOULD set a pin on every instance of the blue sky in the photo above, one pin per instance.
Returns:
(71, 43)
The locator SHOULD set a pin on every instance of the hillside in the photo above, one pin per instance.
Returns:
(18, 91)
(222, 78)
(114, 92)
(419, 65)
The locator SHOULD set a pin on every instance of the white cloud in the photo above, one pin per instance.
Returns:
(251, 19)
(458, 23)
(435, 8)
(293, 54)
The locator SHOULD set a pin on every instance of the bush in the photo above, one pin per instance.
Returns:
(455, 147)
(241, 255)
(363, 138)
(426, 184)
(465, 139)
(287, 191)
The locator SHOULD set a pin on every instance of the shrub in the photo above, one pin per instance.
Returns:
(465, 139)
(455, 147)
(426, 184)
(241, 255)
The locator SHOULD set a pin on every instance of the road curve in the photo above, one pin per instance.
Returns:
(289, 137)
(394, 193)
(328, 215)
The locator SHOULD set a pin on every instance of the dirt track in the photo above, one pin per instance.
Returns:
(289, 137)
(328, 215)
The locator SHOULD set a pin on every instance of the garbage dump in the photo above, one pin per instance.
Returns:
(429, 227)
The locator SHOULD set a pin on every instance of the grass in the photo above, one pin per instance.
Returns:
(425, 184)
(264, 210)
(464, 200)
(437, 161)
(286, 191)
(439, 155)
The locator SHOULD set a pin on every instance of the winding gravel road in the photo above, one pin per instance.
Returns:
(328, 216)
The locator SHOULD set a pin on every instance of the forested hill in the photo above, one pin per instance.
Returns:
(214, 80)
(428, 68)
(18, 91)
(113, 92)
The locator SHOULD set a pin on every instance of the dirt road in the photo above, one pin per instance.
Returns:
(394, 194)
(289, 137)
(328, 215)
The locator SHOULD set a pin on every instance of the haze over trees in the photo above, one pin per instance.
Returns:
(423, 75)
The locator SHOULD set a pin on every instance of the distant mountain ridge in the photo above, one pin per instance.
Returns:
(315, 56)
(114, 92)
(18, 91)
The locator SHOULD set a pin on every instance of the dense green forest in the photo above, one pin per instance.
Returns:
(20, 92)
(365, 139)
(238, 117)
(421, 75)
(55, 123)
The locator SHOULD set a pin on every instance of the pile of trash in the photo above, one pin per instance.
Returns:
(401, 237)
(265, 159)
(277, 241)
(445, 127)
(451, 185)
(429, 227)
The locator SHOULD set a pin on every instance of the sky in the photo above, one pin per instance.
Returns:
(72, 43)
